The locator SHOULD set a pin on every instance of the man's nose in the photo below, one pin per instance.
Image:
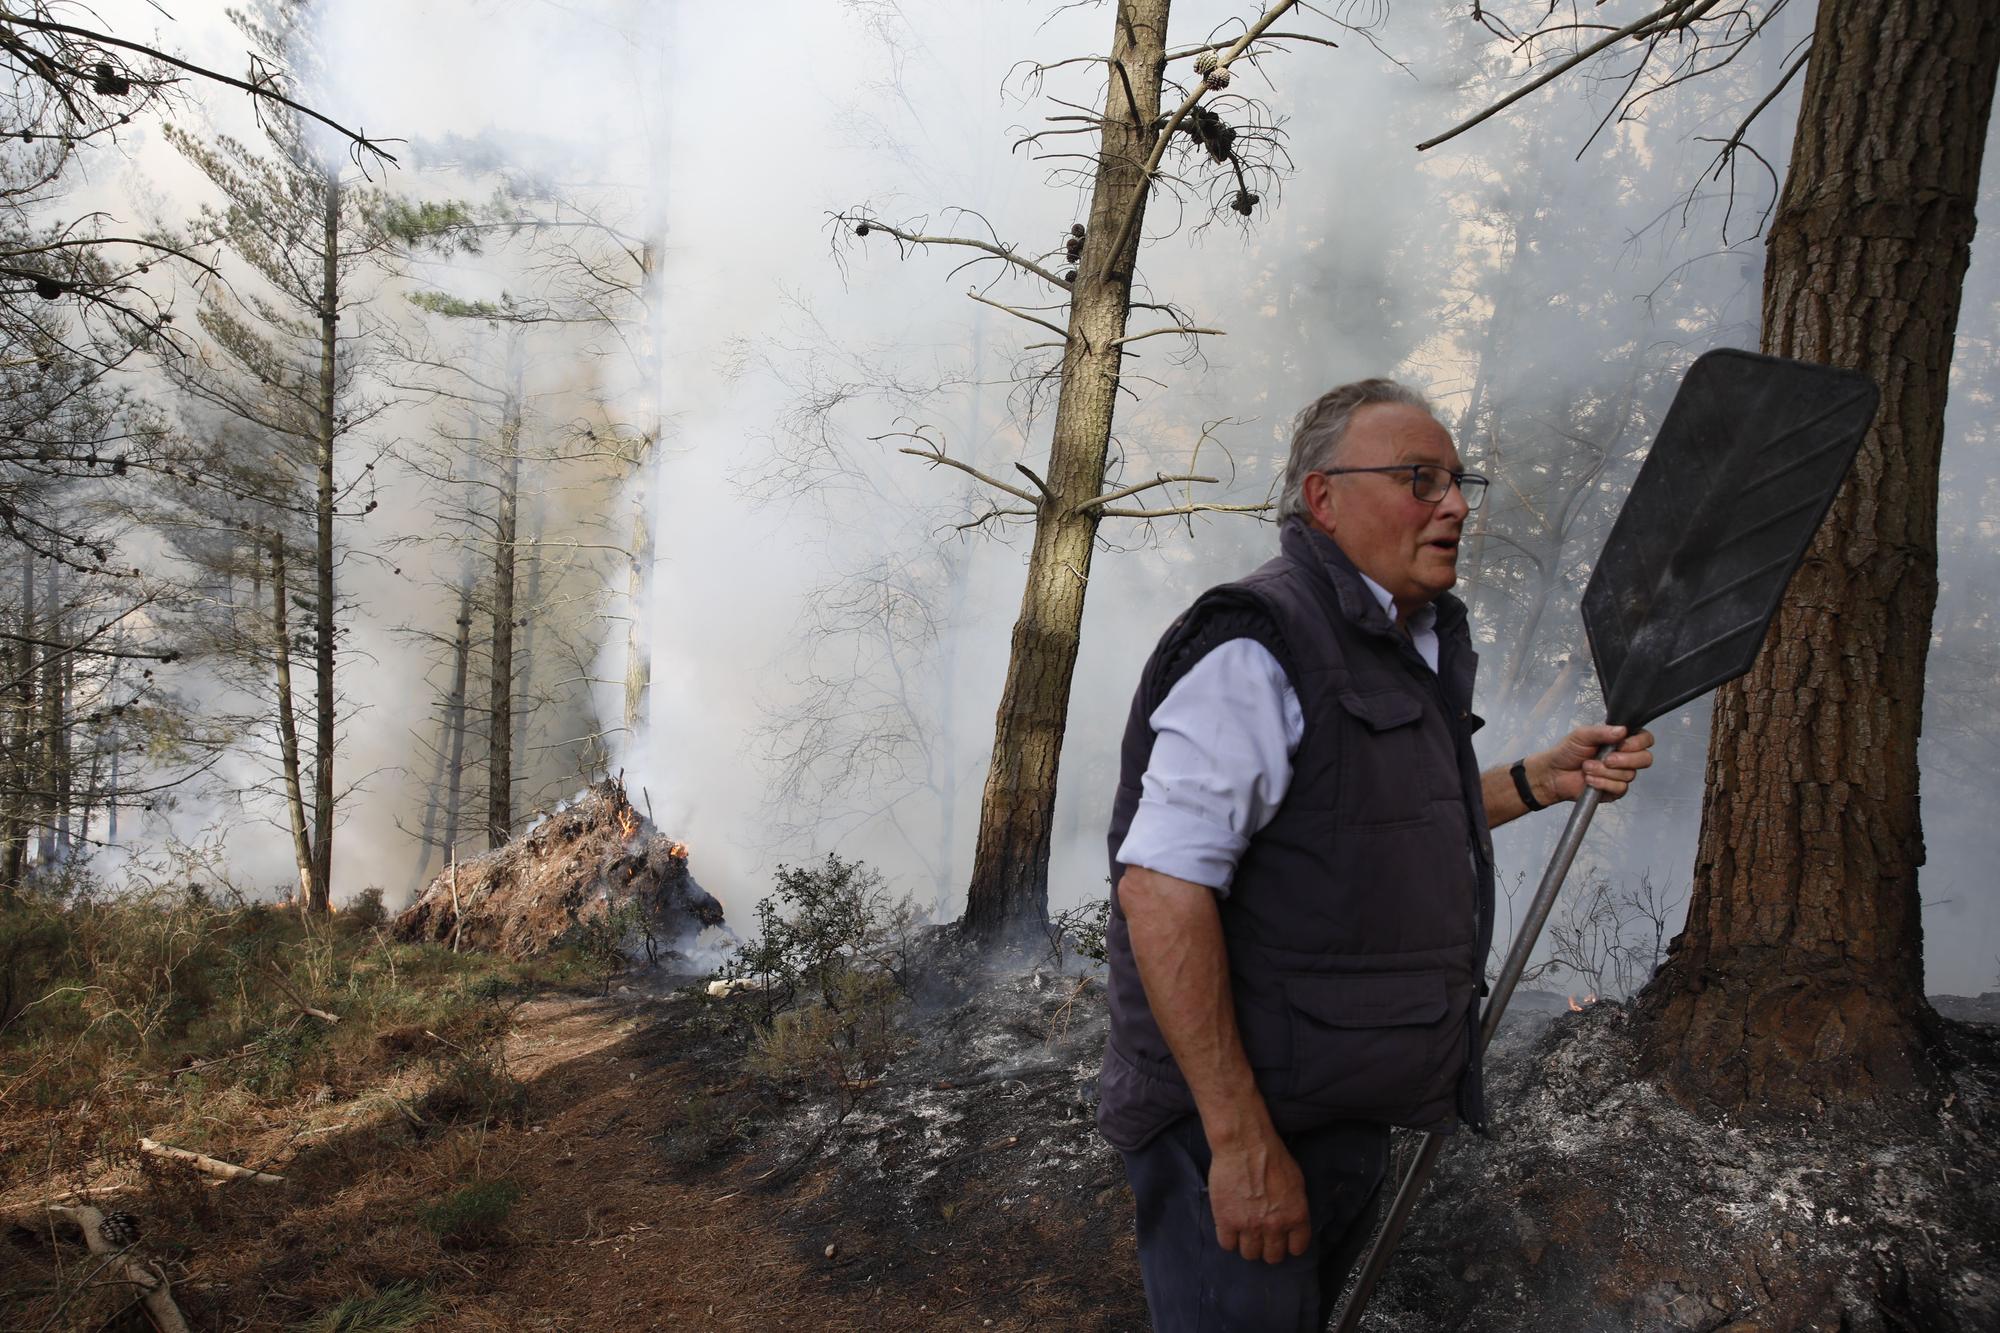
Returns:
(1453, 505)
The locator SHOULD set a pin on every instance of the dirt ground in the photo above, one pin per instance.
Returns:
(620, 1225)
(613, 1235)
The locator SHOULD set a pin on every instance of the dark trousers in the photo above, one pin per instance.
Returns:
(1193, 1285)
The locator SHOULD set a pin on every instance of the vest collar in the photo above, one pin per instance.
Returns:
(1306, 545)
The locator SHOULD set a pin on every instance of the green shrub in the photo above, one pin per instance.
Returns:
(402, 1306)
(1081, 930)
(601, 942)
(473, 1216)
(365, 911)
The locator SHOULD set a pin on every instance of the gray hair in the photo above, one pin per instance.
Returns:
(1322, 428)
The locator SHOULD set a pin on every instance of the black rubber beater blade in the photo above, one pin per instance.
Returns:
(1742, 473)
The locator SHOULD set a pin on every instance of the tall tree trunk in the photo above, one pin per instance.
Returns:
(639, 578)
(451, 722)
(529, 604)
(454, 719)
(288, 728)
(500, 660)
(17, 765)
(1009, 893)
(319, 890)
(1799, 980)
(49, 723)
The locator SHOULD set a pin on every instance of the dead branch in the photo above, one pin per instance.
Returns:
(299, 1000)
(1675, 14)
(1154, 333)
(1111, 497)
(936, 456)
(208, 1165)
(155, 1291)
(1040, 485)
(1056, 329)
(261, 84)
(1152, 165)
(1199, 507)
(1003, 252)
(1189, 52)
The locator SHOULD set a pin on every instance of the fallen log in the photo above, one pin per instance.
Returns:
(155, 1292)
(209, 1165)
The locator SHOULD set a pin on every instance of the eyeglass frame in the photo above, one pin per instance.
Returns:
(1415, 470)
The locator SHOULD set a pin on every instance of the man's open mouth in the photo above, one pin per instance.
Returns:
(1449, 544)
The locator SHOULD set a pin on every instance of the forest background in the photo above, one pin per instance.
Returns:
(615, 475)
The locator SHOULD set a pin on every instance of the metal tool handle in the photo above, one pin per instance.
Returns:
(1496, 1006)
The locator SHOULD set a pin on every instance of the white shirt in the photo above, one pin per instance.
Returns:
(1223, 741)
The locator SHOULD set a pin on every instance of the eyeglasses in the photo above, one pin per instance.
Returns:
(1429, 482)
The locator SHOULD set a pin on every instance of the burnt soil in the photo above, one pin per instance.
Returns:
(664, 1187)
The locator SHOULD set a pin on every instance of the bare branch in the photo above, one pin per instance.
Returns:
(1056, 329)
(262, 85)
(1154, 333)
(1040, 485)
(936, 456)
(1162, 479)
(1199, 507)
(1675, 10)
(1152, 166)
(997, 251)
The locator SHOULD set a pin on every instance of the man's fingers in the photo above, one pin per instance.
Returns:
(1301, 1237)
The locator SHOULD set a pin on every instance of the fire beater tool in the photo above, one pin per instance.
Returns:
(1742, 473)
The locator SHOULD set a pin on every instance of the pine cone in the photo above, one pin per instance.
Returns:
(119, 1230)
(1216, 79)
(1204, 64)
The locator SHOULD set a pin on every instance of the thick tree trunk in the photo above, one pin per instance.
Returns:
(500, 660)
(319, 890)
(1008, 894)
(1798, 983)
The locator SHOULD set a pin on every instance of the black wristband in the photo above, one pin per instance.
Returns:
(1520, 775)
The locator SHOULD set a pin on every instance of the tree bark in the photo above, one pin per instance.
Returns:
(1008, 894)
(16, 765)
(639, 577)
(288, 730)
(500, 660)
(454, 716)
(319, 889)
(1798, 983)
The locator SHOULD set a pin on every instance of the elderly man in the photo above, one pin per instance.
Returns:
(1302, 874)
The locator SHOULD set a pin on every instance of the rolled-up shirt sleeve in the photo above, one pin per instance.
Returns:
(1221, 763)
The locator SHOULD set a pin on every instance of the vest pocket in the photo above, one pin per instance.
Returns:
(1374, 1041)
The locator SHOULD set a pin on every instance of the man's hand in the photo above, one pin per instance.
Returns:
(1258, 1197)
(1573, 763)
(1561, 774)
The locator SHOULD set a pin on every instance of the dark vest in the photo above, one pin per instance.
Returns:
(1359, 918)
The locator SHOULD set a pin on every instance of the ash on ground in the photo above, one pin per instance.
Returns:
(587, 862)
(1599, 1204)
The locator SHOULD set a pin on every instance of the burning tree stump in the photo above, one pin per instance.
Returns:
(580, 864)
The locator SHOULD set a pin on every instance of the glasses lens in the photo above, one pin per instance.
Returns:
(1429, 482)
(1473, 487)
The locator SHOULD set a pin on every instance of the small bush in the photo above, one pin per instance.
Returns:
(602, 942)
(1081, 930)
(474, 1216)
(365, 911)
(836, 1047)
(404, 1305)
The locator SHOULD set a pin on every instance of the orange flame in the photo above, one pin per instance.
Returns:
(628, 822)
(1576, 1008)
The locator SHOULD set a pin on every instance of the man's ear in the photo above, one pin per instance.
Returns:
(1318, 491)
